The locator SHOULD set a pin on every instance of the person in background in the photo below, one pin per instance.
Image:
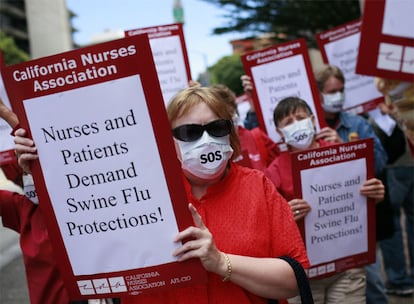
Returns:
(250, 121)
(331, 84)
(325, 133)
(44, 282)
(242, 225)
(257, 149)
(11, 170)
(399, 97)
(399, 176)
(293, 119)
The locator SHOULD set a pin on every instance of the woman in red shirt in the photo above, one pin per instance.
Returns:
(241, 223)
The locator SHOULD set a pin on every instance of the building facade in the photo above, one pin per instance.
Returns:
(38, 27)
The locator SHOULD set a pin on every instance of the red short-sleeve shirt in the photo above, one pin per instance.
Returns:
(43, 278)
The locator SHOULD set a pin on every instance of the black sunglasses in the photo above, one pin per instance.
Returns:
(192, 132)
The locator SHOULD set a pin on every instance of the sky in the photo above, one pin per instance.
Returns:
(200, 18)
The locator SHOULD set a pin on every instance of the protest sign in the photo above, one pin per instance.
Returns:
(339, 47)
(170, 56)
(108, 179)
(387, 40)
(6, 140)
(277, 72)
(339, 231)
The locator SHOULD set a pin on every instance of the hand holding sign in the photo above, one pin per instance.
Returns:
(373, 188)
(201, 244)
(25, 149)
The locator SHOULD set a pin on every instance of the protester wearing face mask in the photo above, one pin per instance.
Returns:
(326, 133)
(240, 219)
(295, 123)
(241, 223)
(342, 126)
(331, 83)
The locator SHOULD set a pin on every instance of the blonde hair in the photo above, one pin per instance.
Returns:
(186, 99)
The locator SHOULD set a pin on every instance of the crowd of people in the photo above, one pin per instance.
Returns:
(244, 208)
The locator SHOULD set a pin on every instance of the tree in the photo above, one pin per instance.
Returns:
(292, 18)
(227, 71)
(11, 53)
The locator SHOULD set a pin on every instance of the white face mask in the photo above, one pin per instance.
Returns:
(29, 188)
(207, 157)
(299, 134)
(333, 103)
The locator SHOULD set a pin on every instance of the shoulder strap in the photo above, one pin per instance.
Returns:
(302, 280)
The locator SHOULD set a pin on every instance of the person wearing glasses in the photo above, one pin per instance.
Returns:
(242, 225)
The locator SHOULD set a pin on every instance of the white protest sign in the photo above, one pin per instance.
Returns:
(386, 46)
(170, 64)
(170, 57)
(278, 72)
(338, 216)
(273, 87)
(339, 47)
(339, 230)
(90, 212)
(398, 18)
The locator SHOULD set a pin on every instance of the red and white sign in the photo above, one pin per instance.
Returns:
(170, 56)
(387, 40)
(339, 47)
(6, 140)
(339, 231)
(277, 72)
(108, 179)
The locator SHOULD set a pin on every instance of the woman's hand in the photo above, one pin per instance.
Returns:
(256, 275)
(329, 134)
(373, 188)
(25, 150)
(247, 84)
(300, 208)
(7, 114)
(200, 245)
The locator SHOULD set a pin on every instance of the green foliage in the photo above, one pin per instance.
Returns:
(294, 18)
(227, 71)
(11, 53)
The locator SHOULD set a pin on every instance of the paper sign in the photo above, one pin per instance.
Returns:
(277, 72)
(170, 57)
(387, 40)
(108, 180)
(6, 140)
(339, 231)
(339, 47)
